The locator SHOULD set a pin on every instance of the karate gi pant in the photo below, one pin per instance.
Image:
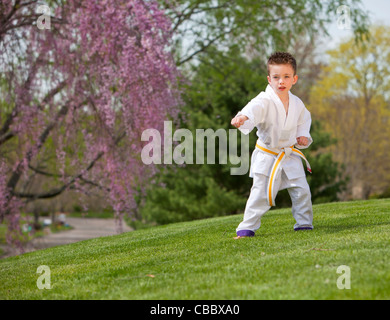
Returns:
(257, 204)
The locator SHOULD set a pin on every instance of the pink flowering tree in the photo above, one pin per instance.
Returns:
(81, 92)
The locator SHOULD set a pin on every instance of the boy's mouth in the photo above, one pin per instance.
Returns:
(282, 88)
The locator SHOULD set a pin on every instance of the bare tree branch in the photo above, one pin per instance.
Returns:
(12, 182)
(55, 192)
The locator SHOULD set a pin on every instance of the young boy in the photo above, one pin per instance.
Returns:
(282, 121)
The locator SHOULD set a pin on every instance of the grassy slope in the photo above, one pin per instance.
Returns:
(200, 260)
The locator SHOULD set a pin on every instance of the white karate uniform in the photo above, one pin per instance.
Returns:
(277, 131)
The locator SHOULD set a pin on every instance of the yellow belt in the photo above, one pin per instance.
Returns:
(276, 166)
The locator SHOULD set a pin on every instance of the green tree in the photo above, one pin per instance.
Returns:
(257, 26)
(223, 82)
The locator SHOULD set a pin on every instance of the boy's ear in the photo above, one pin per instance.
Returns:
(269, 79)
(295, 79)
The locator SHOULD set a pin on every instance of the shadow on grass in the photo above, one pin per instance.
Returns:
(342, 227)
(319, 228)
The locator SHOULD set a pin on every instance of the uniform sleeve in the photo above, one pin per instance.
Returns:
(255, 111)
(303, 129)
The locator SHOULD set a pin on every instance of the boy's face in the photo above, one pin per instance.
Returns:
(281, 78)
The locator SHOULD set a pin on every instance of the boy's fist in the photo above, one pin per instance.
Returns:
(302, 141)
(239, 121)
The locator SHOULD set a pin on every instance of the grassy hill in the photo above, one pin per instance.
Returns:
(200, 260)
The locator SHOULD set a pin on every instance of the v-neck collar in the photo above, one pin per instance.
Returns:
(284, 117)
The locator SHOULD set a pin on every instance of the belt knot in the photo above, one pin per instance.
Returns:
(285, 152)
(288, 151)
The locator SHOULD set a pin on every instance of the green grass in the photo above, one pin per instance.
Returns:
(103, 214)
(200, 260)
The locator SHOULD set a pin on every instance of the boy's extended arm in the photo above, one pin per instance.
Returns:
(250, 116)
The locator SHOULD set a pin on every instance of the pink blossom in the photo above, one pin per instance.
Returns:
(104, 71)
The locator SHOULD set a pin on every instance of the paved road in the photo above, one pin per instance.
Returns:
(83, 229)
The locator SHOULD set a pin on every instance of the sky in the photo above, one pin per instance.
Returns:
(379, 13)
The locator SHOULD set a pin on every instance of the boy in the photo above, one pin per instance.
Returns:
(282, 121)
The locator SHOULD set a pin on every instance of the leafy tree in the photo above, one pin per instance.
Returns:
(197, 191)
(351, 100)
(257, 26)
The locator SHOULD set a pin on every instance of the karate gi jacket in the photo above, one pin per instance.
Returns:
(276, 130)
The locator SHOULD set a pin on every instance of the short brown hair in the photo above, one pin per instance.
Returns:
(282, 58)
